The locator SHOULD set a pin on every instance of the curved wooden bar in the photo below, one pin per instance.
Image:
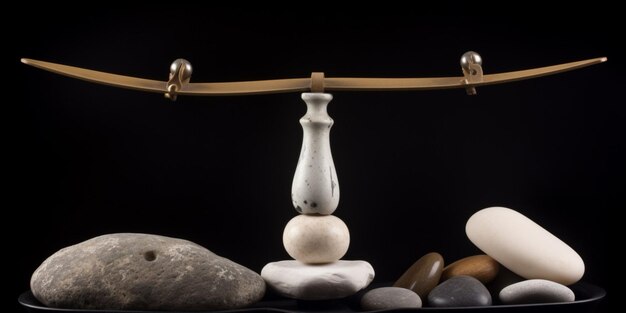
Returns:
(100, 77)
(304, 84)
(247, 87)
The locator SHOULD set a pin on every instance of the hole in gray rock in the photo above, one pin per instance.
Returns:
(149, 256)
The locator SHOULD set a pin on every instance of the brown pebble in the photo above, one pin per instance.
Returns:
(482, 267)
(423, 275)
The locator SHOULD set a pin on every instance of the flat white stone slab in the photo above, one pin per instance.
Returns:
(297, 280)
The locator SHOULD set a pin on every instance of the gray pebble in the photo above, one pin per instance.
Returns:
(536, 291)
(460, 291)
(505, 278)
(390, 298)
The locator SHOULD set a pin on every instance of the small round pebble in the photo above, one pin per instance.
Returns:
(390, 298)
(536, 291)
(315, 239)
(460, 291)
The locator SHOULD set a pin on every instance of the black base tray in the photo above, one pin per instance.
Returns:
(587, 297)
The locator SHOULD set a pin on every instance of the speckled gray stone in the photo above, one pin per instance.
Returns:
(460, 291)
(536, 291)
(143, 272)
(390, 298)
(505, 278)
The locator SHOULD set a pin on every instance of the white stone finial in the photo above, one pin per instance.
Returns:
(315, 188)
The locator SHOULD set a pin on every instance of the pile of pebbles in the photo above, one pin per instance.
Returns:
(524, 263)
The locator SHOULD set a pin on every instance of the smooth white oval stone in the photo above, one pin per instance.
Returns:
(524, 247)
(336, 280)
(316, 238)
(536, 291)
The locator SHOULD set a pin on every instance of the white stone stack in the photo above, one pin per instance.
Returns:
(316, 239)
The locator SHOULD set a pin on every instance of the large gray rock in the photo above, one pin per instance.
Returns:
(143, 272)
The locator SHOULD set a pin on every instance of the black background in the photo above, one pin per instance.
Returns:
(413, 166)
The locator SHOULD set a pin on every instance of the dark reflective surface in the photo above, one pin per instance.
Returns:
(587, 295)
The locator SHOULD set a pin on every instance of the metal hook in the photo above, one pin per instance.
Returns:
(471, 63)
(180, 74)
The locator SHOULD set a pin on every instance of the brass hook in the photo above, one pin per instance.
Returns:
(471, 63)
(180, 74)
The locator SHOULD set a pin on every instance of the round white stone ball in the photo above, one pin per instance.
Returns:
(316, 239)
